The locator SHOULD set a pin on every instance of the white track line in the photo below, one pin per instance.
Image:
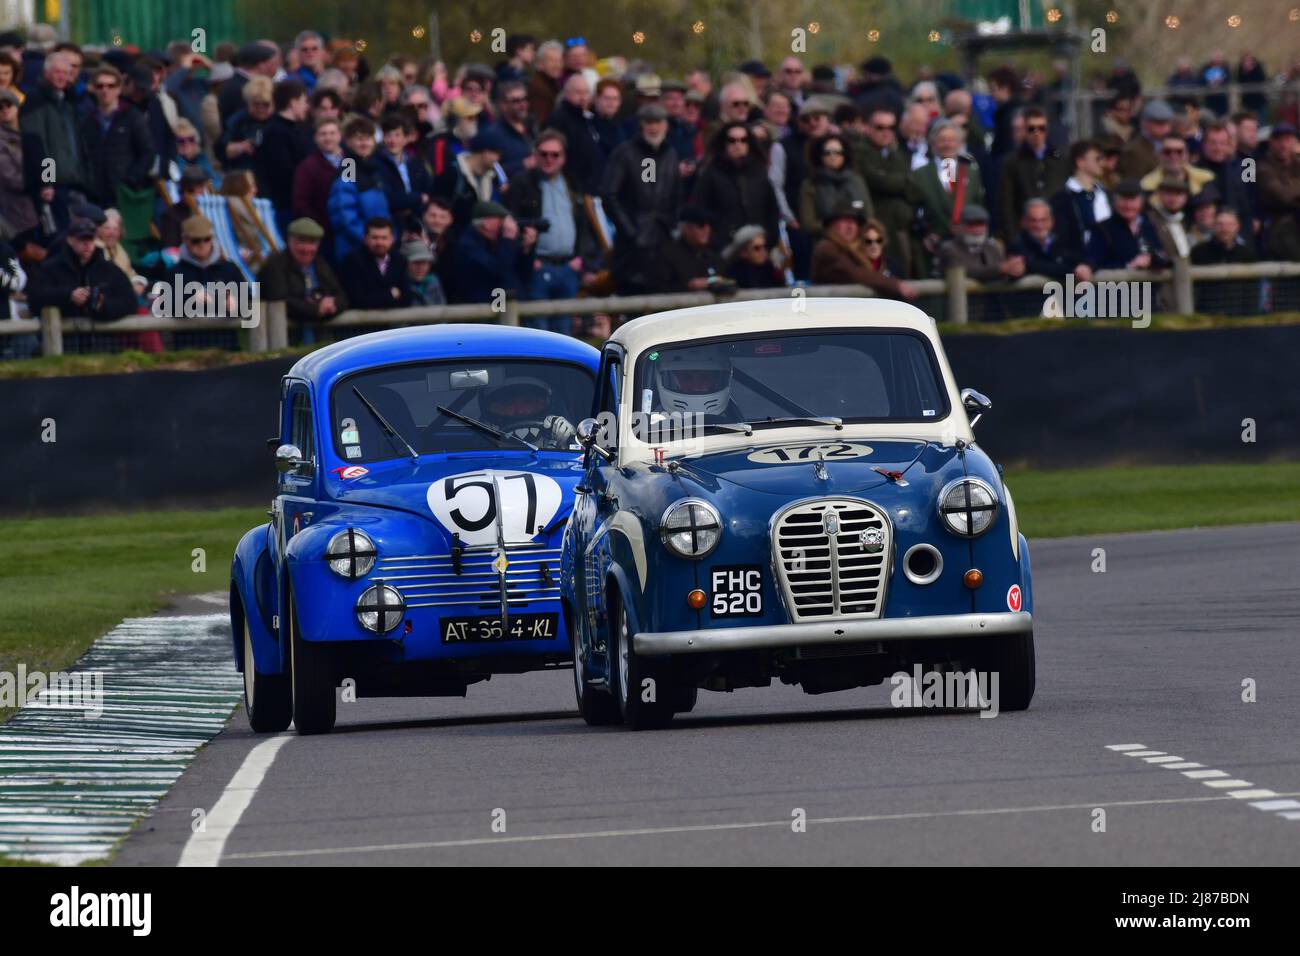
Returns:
(1217, 779)
(712, 827)
(205, 847)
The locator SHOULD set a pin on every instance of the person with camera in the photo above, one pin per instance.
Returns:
(79, 281)
(545, 199)
(300, 277)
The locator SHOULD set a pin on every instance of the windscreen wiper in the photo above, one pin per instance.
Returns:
(815, 419)
(485, 428)
(389, 430)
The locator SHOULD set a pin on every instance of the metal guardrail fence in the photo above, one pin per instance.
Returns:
(948, 300)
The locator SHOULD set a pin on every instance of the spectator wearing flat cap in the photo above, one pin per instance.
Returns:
(842, 258)
(734, 185)
(201, 262)
(689, 262)
(194, 183)
(299, 276)
(426, 289)
(972, 248)
(79, 281)
(1279, 194)
(474, 176)
(118, 144)
(492, 254)
(642, 208)
(253, 59)
(1202, 209)
(1128, 239)
(1142, 151)
(1168, 210)
(374, 273)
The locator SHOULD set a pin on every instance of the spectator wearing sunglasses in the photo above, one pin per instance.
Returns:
(733, 184)
(1176, 164)
(514, 132)
(189, 152)
(1034, 171)
(749, 261)
(119, 148)
(831, 183)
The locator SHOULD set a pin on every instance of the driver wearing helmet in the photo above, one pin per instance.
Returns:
(695, 381)
(521, 407)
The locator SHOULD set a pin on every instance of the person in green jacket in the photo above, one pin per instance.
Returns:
(887, 171)
(830, 184)
(947, 183)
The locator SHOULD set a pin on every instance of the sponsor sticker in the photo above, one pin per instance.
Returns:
(348, 472)
(352, 451)
(1014, 597)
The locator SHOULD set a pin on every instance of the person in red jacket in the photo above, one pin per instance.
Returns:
(315, 175)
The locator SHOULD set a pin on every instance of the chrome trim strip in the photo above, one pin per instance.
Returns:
(841, 631)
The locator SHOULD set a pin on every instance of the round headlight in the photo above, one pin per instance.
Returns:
(351, 553)
(380, 608)
(968, 507)
(691, 528)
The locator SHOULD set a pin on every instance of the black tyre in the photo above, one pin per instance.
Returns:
(268, 698)
(313, 681)
(1013, 659)
(598, 708)
(645, 699)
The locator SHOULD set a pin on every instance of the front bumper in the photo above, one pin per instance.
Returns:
(769, 636)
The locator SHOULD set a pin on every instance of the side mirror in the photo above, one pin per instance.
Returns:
(289, 460)
(975, 404)
(588, 433)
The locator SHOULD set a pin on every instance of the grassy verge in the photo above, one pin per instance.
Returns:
(65, 581)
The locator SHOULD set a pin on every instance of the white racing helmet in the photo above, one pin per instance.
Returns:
(694, 380)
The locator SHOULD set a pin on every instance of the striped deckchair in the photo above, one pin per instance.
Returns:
(214, 209)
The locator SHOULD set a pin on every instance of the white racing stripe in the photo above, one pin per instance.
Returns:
(72, 785)
(1217, 779)
(205, 847)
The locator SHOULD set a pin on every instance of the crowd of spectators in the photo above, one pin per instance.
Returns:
(549, 175)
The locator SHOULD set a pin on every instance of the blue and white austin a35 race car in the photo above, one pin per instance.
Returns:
(425, 477)
(786, 489)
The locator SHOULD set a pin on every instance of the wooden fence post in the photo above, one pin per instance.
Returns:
(51, 331)
(954, 278)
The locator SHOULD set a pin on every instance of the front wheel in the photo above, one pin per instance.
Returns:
(312, 680)
(644, 697)
(597, 708)
(1013, 660)
(267, 697)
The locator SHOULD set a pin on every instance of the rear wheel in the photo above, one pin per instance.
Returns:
(267, 697)
(644, 698)
(597, 707)
(313, 681)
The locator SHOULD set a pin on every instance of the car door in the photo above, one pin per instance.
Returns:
(296, 500)
(592, 501)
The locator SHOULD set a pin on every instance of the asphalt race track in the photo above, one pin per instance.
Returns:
(1153, 652)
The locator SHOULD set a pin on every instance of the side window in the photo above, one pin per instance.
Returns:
(301, 432)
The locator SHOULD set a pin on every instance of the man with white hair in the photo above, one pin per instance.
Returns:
(544, 84)
(573, 118)
(311, 58)
(49, 115)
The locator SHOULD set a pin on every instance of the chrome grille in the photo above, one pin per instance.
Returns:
(430, 580)
(821, 562)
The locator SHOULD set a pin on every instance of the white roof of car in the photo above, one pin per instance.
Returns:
(767, 315)
(783, 315)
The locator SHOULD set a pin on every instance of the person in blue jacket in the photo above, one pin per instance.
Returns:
(493, 254)
(357, 195)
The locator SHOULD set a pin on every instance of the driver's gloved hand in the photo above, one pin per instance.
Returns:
(558, 432)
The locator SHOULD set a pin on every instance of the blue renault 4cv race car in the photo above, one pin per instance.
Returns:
(786, 489)
(425, 477)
